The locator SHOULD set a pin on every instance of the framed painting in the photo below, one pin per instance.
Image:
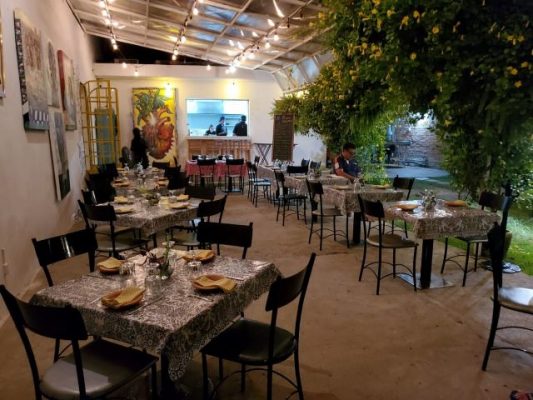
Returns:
(58, 149)
(2, 77)
(154, 113)
(51, 74)
(31, 74)
(68, 85)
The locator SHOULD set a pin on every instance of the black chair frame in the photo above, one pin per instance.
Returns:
(230, 177)
(286, 199)
(225, 234)
(282, 292)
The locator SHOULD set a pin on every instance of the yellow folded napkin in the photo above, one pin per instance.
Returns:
(111, 264)
(182, 197)
(201, 255)
(128, 296)
(121, 199)
(123, 210)
(386, 186)
(179, 206)
(215, 281)
(456, 203)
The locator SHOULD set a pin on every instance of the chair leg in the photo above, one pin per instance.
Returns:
(405, 229)
(476, 256)
(205, 377)
(334, 229)
(347, 232)
(362, 263)
(466, 263)
(153, 374)
(277, 213)
(220, 369)
(243, 378)
(269, 382)
(414, 267)
(445, 255)
(394, 263)
(56, 350)
(492, 334)
(321, 230)
(285, 206)
(311, 230)
(379, 271)
(298, 376)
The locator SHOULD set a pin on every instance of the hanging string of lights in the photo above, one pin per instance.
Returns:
(193, 11)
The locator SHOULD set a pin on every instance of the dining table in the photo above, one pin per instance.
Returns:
(298, 184)
(443, 220)
(173, 322)
(345, 198)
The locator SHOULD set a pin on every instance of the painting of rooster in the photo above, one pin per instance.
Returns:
(154, 112)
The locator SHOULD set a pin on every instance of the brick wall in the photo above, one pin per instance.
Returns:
(423, 144)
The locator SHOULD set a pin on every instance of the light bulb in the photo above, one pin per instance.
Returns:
(231, 43)
(124, 65)
(232, 69)
(240, 46)
(175, 52)
(101, 3)
(136, 73)
(104, 13)
(201, 1)
(183, 39)
(276, 37)
(115, 46)
(107, 21)
(267, 45)
(113, 41)
(254, 34)
(195, 11)
(174, 57)
(251, 56)
(270, 22)
(242, 33)
(208, 67)
(115, 24)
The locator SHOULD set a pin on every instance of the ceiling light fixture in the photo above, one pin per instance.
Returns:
(124, 65)
(208, 67)
(278, 10)
(175, 52)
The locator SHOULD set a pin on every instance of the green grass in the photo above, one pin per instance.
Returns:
(520, 224)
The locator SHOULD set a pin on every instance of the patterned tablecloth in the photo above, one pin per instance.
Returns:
(444, 221)
(192, 168)
(266, 173)
(298, 182)
(156, 218)
(346, 200)
(173, 322)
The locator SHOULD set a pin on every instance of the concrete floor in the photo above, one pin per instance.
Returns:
(354, 344)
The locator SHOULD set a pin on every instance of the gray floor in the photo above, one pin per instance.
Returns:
(354, 344)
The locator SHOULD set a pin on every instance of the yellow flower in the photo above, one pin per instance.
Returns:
(447, 122)
(376, 2)
(416, 14)
(520, 38)
(524, 64)
(412, 56)
(364, 45)
(439, 75)
(405, 21)
(390, 12)
(518, 84)
(374, 11)
(435, 29)
(513, 71)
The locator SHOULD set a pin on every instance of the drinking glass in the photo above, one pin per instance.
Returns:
(152, 282)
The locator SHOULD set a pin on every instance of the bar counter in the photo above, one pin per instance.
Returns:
(237, 146)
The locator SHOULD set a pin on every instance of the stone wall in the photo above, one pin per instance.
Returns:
(416, 144)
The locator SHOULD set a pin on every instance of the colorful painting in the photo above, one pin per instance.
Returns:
(154, 112)
(31, 73)
(58, 149)
(52, 74)
(2, 84)
(67, 82)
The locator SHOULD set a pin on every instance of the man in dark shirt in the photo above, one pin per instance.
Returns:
(138, 148)
(345, 165)
(241, 129)
(221, 128)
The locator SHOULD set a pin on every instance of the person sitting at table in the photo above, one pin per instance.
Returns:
(210, 130)
(241, 129)
(138, 148)
(345, 164)
(221, 127)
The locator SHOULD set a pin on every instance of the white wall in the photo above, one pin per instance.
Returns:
(28, 205)
(259, 87)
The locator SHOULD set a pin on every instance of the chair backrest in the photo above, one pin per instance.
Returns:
(491, 200)
(496, 238)
(206, 162)
(194, 157)
(257, 159)
(89, 197)
(236, 161)
(52, 322)
(373, 209)
(315, 164)
(404, 184)
(62, 247)
(100, 184)
(161, 164)
(177, 181)
(226, 234)
(304, 163)
(208, 209)
(109, 169)
(102, 213)
(282, 292)
(296, 169)
(280, 182)
(171, 171)
(315, 190)
(201, 192)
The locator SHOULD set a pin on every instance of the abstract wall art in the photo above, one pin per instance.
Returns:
(31, 74)
(2, 77)
(154, 112)
(52, 74)
(69, 88)
(58, 148)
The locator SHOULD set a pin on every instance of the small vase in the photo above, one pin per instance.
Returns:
(165, 271)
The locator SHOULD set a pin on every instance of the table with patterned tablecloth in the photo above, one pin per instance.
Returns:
(347, 202)
(176, 322)
(297, 182)
(443, 221)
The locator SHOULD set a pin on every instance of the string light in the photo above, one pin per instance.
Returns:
(208, 67)
(254, 34)
(124, 65)
(231, 43)
(195, 11)
(267, 44)
(115, 46)
(270, 22)
(276, 37)
(174, 57)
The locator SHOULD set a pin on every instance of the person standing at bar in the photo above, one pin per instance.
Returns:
(241, 129)
(221, 127)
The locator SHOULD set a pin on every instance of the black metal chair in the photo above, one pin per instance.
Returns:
(287, 199)
(109, 169)
(260, 345)
(383, 241)
(201, 192)
(234, 173)
(296, 170)
(90, 198)
(89, 372)
(100, 184)
(207, 169)
(177, 180)
(489, 200)
(315, 165)
(258, 183)
(62, 247)
(518, 299)
(171, 171)
(321, 212)
(304, 163)
(161, 164)
(225, 234)
(112, 243)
